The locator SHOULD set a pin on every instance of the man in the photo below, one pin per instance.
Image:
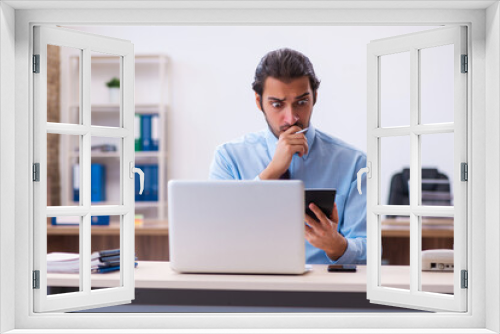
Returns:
(285, 91)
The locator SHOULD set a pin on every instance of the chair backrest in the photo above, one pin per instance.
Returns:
(436, 188)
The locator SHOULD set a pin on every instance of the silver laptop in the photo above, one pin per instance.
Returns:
(252, 227)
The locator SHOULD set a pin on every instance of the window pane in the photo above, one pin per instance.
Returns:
(63, 179)
(105, 89)
(437, 84)
(395, 89)
(394, 170)
(63, 240)
(105, 263)
(105, 170)
(437, 254)
(395, 257)
(437, 169)
(63, 101)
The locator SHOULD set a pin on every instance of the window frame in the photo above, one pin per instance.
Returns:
(85, 131)
(483, 307)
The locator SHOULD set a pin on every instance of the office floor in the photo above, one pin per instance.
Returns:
(211, 301)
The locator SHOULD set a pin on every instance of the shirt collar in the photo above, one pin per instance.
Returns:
(272, 141)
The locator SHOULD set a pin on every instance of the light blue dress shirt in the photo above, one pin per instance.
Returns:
(330, 163)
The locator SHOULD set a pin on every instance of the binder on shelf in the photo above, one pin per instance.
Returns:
(154, 183)
(147, 183)
(97, 182)
(151, 187)
(100, 220)
(155, 134)
(137, 132)
(76, 182)
(137, 187)
(146, 133)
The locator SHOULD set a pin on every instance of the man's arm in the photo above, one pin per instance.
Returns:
(354, 221)
(289, 143)
(221, 168)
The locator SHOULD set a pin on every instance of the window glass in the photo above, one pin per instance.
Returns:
(437, 84)
(63, 247)
(394, 170)
(395, 89)
(437, 265)
(395, 257)
(105, 91)
(106, 251)
(437, 160)
(105, 171)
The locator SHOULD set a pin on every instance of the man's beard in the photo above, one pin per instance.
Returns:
(282, 128)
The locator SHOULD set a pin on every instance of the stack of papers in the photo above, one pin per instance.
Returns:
(101, 262)
(69, 262)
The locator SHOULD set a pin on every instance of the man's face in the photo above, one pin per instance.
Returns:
(286, 103)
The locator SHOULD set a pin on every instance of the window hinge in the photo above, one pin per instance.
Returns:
(36, 279)
(465, 171)
(465, 64)
(36, 172)
(465, 279)
(36, 63)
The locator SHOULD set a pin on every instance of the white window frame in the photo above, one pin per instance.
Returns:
(87, 43)
(414, 297)
(483, 211)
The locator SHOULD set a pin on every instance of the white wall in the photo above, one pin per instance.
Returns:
(7, 167)
(212, 69)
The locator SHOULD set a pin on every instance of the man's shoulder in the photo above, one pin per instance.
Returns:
(246, 141)
(338, 144)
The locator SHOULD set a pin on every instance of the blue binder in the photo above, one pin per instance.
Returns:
(138, 198)
(155, 132)
(76, 182)
(147, 183)
(97, 182)
(147, 144)
(154, 183)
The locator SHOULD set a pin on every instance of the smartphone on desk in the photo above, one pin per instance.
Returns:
(323, 198)
(350, 268)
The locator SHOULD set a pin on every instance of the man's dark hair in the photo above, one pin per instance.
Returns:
(285, 65)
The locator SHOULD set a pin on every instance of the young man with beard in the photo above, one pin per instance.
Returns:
(286, 89)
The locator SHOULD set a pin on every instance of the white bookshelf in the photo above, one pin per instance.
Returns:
(151, 97)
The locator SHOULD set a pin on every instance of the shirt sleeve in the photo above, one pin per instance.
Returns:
(221, 168)
(354, 225)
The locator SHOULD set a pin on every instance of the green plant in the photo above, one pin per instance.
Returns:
(113, 83)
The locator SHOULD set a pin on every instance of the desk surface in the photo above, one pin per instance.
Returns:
(436, 228)
(149, 228)
(158, 275)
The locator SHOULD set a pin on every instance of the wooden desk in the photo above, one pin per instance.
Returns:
(158, 275)
(151, 239)
(437, 233)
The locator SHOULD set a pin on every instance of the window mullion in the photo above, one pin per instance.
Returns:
(415, 173)
(85, 161)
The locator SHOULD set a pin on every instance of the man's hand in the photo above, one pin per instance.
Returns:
(289, 143)
(323, 234)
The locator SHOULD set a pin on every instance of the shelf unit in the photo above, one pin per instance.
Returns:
(150, 98)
